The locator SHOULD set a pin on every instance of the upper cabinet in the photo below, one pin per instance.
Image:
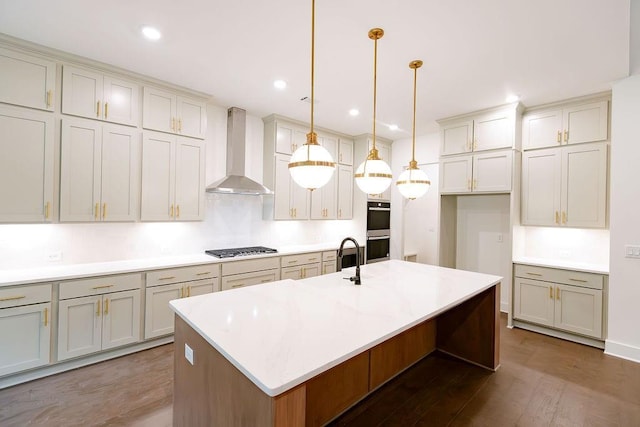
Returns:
(26, 165)
(573, 123)
(167, 112)
(94, 95)
(345, 151)
(27, 80)
(477, 173)
(489, 130)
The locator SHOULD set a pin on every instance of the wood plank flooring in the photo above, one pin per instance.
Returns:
(543, 381)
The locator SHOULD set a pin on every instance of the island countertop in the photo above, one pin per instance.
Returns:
(283, 333)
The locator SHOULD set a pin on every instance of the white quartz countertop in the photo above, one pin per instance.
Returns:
(281, 334)
(52, 273)
(564, 264)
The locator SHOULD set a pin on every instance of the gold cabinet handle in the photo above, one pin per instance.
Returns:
(46, 210)
(180, 125)
(102, 287)
(559, 137)
(171, 212)
(534, 274)
(475, 144)
(96, 211)
(566, 135)
(238, 286)
(295, 212)
(577, 280)
(340, 213)
(265, 280)
(106, 110)
(12, 298)
(340, 158)
(173, 123)
(302, 272)
(46, 316)
(557, 218)
(177, 211)
(475, 184)
(204, 273)
(104, 210)
(181, 292)
(290, 212)
(49, 98)
(98, 109)
(564, 217)
(166, 278)
(106, 306)
(98, 309)
(291, 262)
(188, 291)
(551, 292)
(558, 293)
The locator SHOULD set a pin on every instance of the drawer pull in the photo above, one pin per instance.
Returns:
(265, 280)
(238, 286)
(292, 262)
(203, 273)
(534, 274)
(106, 306)
(188, 291)
(578, 280)
(12, 298)
(557, 293)
(98, 309)
(166, 278)
(551, 292)
(312, 259)
(102, 287)
(181, 293)
(46, 317)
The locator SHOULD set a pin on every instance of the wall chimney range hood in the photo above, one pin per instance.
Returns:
(236, 182)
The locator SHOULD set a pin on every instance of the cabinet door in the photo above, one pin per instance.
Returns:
(120, 319)
(584, 185)
(80, 170)
(82, 93)
(121, 101)
(456, 138)
(119, 178)
(541, 182)
(26, 158)
(158, 110)
(284, 139)
(192, 117)
(330, 143)
(202, 287)
(282, 187)
(329, 267)
(25, 334)
(27, 80)
(455, 174)
(533, 301)
(345, 152)
(249, 279)
(299, 200)
(311, 270)
(492, 172)
(542, 129)
(189, 176)
(586, 122)
(345, 192)
(158, 177)
(579, 310)
(323, 200)
(158, 316)
(494, 130)
(293, 273)
(79, 326)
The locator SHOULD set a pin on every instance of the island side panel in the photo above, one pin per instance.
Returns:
(213, 392)
(396, 354)
(471, 330)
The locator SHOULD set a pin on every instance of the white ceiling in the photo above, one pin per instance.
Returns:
(475, 51)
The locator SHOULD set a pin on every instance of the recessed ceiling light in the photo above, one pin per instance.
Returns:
(354, 112)
(280, 84)
(393, 127)
(151, 33)
(513, 98)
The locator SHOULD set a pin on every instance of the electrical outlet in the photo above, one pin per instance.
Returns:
(500, 238)
(54, 256)
(188, 353)
(632, 251)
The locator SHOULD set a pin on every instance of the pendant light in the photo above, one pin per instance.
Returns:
(311, 166)
(413, 182)
(373, 176)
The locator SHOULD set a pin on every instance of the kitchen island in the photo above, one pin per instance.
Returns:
(301, 352)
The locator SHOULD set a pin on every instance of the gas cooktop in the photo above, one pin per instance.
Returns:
(233, 252)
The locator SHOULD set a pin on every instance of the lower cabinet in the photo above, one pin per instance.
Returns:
(301, 266)
(561, 299)
(25, 328)
(329, 262)
(98, 314)
(237, 274)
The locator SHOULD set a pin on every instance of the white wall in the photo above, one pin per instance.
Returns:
(624, 279)
(231, 220)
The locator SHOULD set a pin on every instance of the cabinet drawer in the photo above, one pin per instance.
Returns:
(249, 265)
(249, 279)
(329, 255)
(99, 285)
(300, 259)
(24, 295)
(568, 277)
(183, 274)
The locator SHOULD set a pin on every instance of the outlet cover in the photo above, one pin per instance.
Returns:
(188, 353)
(632, 251)
(54, 256)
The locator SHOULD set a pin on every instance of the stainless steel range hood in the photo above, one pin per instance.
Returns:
(236, 182)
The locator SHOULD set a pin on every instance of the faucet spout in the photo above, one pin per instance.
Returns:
(355, 279)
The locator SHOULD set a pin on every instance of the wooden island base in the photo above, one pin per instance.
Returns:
(213, 392)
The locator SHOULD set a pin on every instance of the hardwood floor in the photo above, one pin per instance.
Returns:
(543, 381)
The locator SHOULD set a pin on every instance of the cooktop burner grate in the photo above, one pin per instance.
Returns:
(233, 252)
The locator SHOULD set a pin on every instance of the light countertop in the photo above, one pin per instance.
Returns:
(563, 264)
(283, 333)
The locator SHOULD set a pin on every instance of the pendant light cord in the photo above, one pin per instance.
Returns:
(375, 67)
(313, 44)
(413, 147)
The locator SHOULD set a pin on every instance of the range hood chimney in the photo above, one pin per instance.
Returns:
(236, 182)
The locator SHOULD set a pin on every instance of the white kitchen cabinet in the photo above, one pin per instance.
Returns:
(98, 172)
(329, 262)
(172, 178)
(25, 327)
(561, 299)
(565, 186)
(290, 200)
(288, 137)
(345, 191)
(237, 274)
(98, 314)
(94, 95)
(489, 172)
(167, 112)
(345, 151)
(569, 124)
(163, 286)
(26, 157)
(301, 266)
(324, 200)
(27, 80)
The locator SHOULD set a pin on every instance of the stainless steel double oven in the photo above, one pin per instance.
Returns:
(378, 231)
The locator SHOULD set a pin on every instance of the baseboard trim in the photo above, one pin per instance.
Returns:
(559, 334)
(622, 351)
(504, 307)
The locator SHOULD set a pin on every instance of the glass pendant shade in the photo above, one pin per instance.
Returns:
(311, 166)
(373, 176)
(413, 183)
